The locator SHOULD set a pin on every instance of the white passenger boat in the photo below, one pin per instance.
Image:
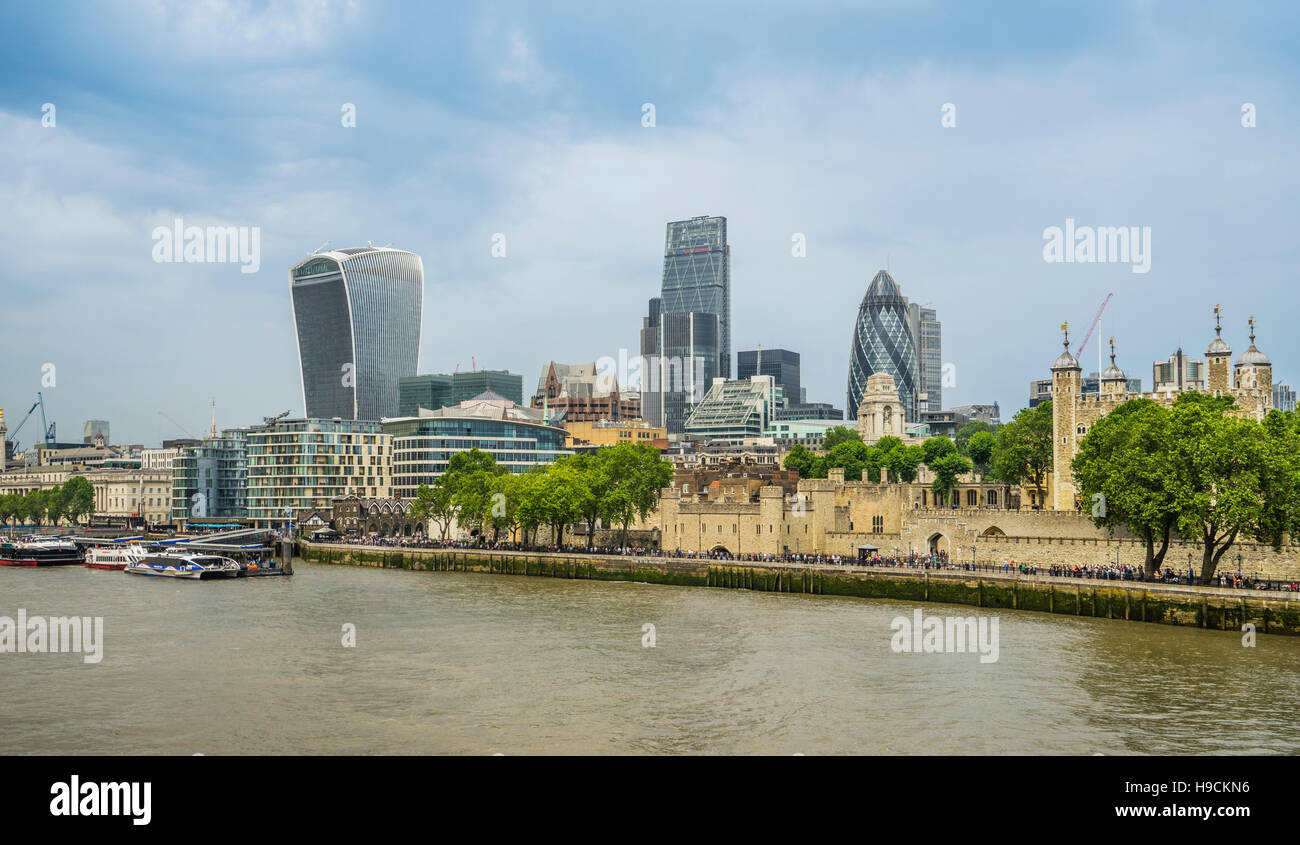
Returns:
(115, 557)
(184, 565)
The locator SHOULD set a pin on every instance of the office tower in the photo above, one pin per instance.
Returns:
(927, 332)
(357, 317)
(691, 316)
(1283, 397)
(883, 343)
(93, 428)
(780, 364)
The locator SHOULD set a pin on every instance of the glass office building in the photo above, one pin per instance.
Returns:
(927, 332)
(516, 437)
(883, 343)
(685, 366)
(446, 389)
(734, 410)
(697, 276)
(780, 364)
(210, 479)
(357, 317)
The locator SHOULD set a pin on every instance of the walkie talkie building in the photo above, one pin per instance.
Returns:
(357, 317)
(883, 343)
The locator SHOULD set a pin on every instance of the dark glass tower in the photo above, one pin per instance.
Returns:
(357, 317)
(697, 276)
(883, 343)
(687, 336)
(780, 364)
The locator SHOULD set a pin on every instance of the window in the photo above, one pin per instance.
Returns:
(877, 525)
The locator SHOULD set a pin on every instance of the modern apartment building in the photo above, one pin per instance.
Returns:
(295, 465)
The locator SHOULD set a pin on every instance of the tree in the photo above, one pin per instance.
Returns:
(437, 503)
(852, 455)
(835, 435)
(947, 468)
(935, 448)
(1023, 454)
(904, 462)
(1124, 476)
(78, 498)
(964, 434)
(1218, 464)
(800, 460)
(980, 450)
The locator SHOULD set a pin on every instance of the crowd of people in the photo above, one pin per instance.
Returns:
(915, 560)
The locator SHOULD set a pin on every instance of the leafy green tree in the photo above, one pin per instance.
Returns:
(436, 503)
(888, 443)
(935, 448)
(1023, 454)
(980, 450)
(1280, 479)
(1218, 464)
(78, 498)
(947, 468)
(964, 434)
(835, 435)
(800, 460)
(904, 462)
(1124, 475)
(852, 455)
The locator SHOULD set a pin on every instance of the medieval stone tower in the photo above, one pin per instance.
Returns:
(1074, 412)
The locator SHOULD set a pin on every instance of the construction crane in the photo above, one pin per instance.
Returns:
(270, 421)
(178, 425)
(1091, 329)
(47, 429)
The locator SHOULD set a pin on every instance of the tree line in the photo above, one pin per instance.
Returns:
(614, 485)
(65, 502)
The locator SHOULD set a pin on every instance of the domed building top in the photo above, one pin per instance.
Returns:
(1218, 346)
(1113, 373)
(1066, 361)
(1253, 356)
(882, 288)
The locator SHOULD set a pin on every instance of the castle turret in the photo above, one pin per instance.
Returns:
(1217, 357)
(1067, 386)
(1252, 379)
(1113, 381)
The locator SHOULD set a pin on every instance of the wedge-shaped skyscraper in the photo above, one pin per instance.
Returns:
(357, 316)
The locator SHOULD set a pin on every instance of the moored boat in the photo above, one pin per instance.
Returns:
(184, 565)
(115, 557)
(39, 552)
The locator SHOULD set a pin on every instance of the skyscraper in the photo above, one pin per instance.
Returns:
(357, 317)
(692, 316)
(928, 335)
(883, 343)
(780, 364)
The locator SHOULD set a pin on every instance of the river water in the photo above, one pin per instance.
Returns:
(456, 663)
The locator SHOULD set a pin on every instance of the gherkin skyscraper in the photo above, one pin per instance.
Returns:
(883, 343)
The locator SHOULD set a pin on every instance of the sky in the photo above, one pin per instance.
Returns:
(939, 140)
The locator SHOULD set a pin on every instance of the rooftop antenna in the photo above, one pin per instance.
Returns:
(212, 432)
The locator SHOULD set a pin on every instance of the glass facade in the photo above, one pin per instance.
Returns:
(883, 343)
(686, 365)
(357, 315)
(927, 331)
(210, 479)
(423, 446)
(734, 409)
(780, 364)
(697, 276)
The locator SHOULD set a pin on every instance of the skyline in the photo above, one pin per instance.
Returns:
(1131, 118)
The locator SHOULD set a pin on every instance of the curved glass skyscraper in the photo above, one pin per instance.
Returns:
(357, 317)
(883, 343)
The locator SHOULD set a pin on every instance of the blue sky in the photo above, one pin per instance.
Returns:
(820, 118)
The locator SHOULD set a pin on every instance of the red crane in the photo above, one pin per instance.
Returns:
(1093, 327)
